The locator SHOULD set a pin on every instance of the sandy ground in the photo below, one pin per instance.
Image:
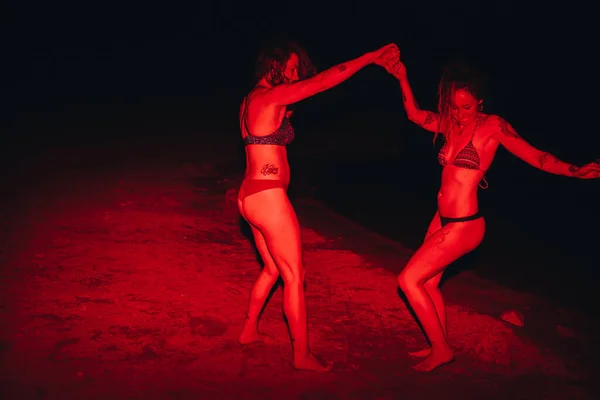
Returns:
(132, 282)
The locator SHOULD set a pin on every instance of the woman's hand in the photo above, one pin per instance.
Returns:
(386, 52)
(588, 171)
(390, 60)
(398, 70)
(388, 57)
(395, 67)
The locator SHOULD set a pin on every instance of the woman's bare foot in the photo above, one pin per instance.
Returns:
(311, 363)
(420, 353)
(251, 336)
(434, 360)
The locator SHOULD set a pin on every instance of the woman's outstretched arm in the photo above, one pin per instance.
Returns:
(285, 94)
(540, 159)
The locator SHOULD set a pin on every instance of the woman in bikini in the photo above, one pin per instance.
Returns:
(471, 139)
(285, 76)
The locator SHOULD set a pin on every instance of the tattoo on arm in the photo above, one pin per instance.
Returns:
(543, 158)
(573, 169)
(507, 130)
(341, 68)
(430, 118)
(269, 169)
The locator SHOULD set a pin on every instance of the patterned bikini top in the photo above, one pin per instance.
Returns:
(467, 157)
(282, 136)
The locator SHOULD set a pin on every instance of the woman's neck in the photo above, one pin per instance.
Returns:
(263, 83)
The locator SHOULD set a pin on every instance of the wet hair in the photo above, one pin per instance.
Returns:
(272, 58)
(456, 75)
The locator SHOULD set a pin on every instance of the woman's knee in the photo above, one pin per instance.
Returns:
(411, 279)
(293, 276)
(270, 269)
(406, 281)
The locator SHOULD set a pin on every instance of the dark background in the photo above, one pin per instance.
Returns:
(100, 73)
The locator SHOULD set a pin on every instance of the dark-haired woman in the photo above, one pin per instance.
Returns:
(284, 76)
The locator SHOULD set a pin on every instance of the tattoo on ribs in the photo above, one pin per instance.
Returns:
(507, 130)
(342, 68)
(269, 169)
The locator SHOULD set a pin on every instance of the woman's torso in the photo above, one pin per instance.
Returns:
(265, 131)
(465, 159)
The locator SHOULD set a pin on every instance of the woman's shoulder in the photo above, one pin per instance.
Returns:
(493, 124)
(490, 122)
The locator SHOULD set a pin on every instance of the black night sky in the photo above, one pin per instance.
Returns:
(91, 64)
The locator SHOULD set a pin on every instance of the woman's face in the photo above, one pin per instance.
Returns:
(464, 107)
(290, 72)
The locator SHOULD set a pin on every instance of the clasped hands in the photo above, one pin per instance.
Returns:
(389, 58)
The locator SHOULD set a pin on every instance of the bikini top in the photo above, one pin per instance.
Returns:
(282, 136)
(467, 157)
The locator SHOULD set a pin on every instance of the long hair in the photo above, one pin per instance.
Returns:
(456, 75)
(272, 58)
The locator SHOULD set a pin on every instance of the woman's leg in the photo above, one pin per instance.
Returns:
(271, 212)
(432, 286)
(260, 290)
(435, 254)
